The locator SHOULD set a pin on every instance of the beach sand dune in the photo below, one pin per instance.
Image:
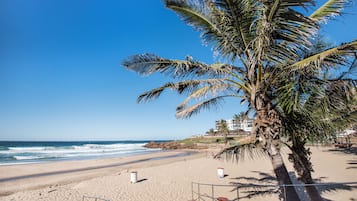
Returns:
(166, 179)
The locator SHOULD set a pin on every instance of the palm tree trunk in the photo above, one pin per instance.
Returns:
(288, 193)
(313, 193)
(300, 157)
(225, 138)
(267, 128)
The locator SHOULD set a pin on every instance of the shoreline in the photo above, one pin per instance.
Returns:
(13, 178)
(120, 164)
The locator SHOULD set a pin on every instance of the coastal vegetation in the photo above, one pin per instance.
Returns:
(223, 128)
(276, 62)
(200, 142)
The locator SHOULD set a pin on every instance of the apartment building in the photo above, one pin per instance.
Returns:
(232, 124)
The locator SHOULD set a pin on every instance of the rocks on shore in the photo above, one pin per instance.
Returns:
(172, 145)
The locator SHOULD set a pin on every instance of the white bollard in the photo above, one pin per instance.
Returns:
(134, 177)
(220, 172)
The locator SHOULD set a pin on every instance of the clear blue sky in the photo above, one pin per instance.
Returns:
(60, 73)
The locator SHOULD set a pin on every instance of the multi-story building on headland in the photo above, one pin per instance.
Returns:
(233, 124)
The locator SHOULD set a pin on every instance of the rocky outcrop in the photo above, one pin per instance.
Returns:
(172, 145)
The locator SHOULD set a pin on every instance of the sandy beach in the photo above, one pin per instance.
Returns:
(166, 176)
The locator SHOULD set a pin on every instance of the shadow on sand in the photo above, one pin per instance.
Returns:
(349, 150)
(266, 184)
(352, 164)
(141, 180)
(250, 187)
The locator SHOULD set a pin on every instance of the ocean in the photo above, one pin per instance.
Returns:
(24, 152)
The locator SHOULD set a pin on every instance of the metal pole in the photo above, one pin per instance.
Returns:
(199, 194)
(237, 193)
(192, 189)
(284, 192)
(212, 193)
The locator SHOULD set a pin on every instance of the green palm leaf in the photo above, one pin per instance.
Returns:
(218, 22)
(146, 64)
(346, 49)
(328, 10)
(187, 112)
(240, 152)
(186, 86)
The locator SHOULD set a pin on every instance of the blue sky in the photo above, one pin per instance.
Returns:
(61, 78)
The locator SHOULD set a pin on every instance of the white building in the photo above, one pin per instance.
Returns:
(232, 124)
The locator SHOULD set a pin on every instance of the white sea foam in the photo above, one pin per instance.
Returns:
(27, 157)
(18, 163)
(38, 153)
(30, 149)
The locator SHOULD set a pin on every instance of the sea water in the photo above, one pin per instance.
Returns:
(24, 152)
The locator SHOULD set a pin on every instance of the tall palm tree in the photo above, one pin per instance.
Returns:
(315, 112)
(262, 42)
(312, 108)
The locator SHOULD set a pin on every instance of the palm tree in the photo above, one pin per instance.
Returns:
(262, 42)
(240, 117)
(210, 131)
(316, 112)
(223, 129)
(313, 105)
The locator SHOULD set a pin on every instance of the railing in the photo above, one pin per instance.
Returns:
(89, 198)
(203, 192)
(204, 196)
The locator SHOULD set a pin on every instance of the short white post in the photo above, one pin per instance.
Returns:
(220, 172)
(133, 177)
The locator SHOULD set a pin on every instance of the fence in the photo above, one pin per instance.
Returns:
(203, 192)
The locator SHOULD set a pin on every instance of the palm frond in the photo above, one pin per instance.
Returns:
(155, 93)
(351, 71)
(186, 112)
(186, 86)
(346, 49)
(281, 31)
(343, 120)
(210, 89)
(339, 94)
(328, 10)
(239, 85)
(210, 21)
(235, 19)
(240, 152)
(194, 13)
(146, 64)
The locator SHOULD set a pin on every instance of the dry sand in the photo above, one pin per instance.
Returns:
(164, 179)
